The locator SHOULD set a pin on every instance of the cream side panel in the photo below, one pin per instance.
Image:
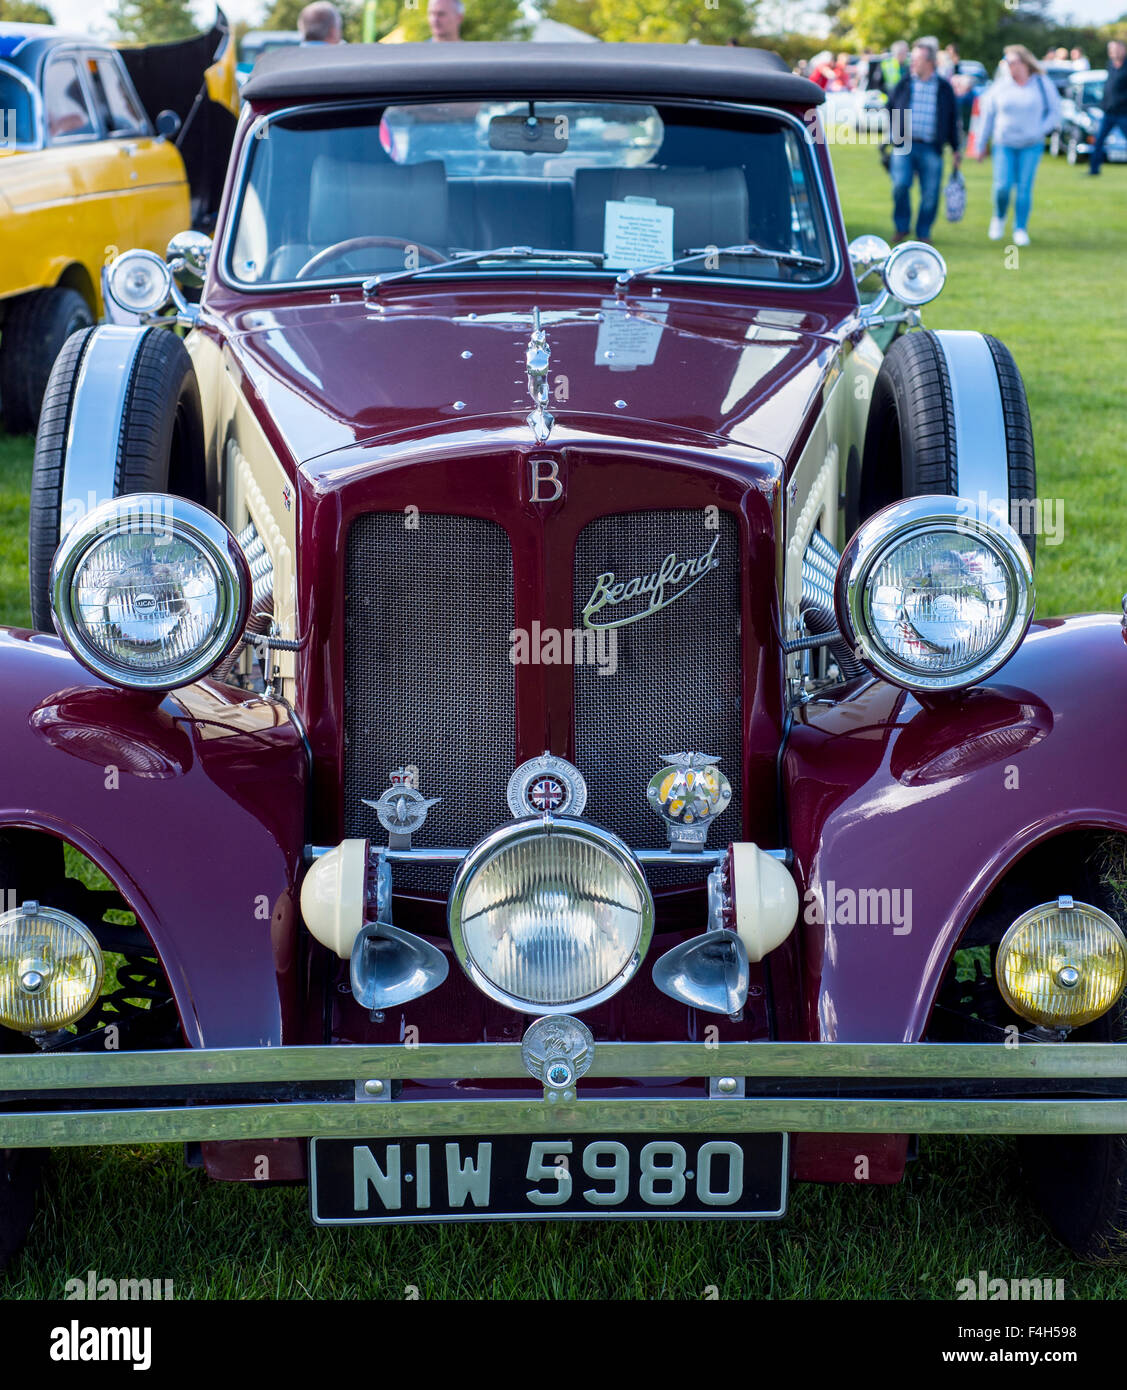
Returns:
(252, 483)
(819, 478)
(861, 366)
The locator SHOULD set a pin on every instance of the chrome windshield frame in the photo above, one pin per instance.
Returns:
(258, 130)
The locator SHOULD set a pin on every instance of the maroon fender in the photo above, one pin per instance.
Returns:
(939, 802)
(193, 804)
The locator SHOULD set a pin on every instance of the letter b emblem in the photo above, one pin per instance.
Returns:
(547, 486)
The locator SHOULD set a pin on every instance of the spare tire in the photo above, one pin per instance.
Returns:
(35, 328)
(160, 442)
(935, 398)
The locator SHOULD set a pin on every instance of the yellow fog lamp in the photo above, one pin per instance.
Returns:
(1062, 964)
(50, 969)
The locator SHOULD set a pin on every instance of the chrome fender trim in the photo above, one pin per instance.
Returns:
(982, 459)
(100, 394)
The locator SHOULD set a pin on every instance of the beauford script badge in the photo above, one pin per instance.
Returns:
(671, 581)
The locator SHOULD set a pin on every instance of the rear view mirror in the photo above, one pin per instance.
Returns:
(530, 134)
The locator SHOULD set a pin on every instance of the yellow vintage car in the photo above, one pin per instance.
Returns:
(85, 171)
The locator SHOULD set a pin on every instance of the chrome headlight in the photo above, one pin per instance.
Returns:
(1062, 964)
(914, 273)
(139, 282)
(50, 969)
(150, 591)
(932, 597)
(550, 917)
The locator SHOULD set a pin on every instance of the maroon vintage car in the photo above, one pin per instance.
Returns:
(545, 673)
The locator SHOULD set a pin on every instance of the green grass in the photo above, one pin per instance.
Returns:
(137, 1212)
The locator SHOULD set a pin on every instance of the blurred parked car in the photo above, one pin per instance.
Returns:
(857, 110)
(259, 41)
(1081, 112)
(85, 170)
(1061, 75)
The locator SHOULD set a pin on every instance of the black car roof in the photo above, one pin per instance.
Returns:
(604, 70)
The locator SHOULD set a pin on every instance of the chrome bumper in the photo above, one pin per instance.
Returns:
(30, 1117)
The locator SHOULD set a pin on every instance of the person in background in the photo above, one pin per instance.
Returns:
(320, 23)
(949, 62)
(924, 121)
(445, 20)
(821, 69)
(1079, 60)
(1114, 103)
(1018, 115)
(892, 70)
(840, 80)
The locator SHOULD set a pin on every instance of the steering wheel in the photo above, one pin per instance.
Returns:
(357, 243)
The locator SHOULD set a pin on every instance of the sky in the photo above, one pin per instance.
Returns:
(94, 14)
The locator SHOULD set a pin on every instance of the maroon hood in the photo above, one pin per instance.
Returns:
(331, 376)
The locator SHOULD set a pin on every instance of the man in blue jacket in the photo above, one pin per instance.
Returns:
(923, 115)
(1114, 102)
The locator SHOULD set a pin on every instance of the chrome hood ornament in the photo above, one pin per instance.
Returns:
(537, 360)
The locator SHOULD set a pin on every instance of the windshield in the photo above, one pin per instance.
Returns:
(337, 195)
(1091, 93)
(17, 115)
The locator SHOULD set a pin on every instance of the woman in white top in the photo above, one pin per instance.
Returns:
(1018, 114)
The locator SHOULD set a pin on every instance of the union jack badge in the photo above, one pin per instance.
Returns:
(547, 786)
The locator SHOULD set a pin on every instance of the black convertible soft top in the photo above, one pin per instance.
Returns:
(603, 70)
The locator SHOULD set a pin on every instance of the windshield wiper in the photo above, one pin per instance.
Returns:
(747, 248)
(499, 253)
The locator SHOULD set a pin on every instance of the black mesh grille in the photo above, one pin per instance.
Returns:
(677, 686)
(428, 680)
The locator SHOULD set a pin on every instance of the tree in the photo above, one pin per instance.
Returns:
(23, 12)
(658, 21)
(154, 21)
(973, 25)
(485, 19)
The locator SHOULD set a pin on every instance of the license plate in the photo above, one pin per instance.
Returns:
(513, 1177)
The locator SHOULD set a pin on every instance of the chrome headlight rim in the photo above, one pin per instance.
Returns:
(897, 256)
(150, 258)
(187, 521)
(899, 523)
(530, 827)
(1020, 923)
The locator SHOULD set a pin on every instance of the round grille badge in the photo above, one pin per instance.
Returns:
(547, 785)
